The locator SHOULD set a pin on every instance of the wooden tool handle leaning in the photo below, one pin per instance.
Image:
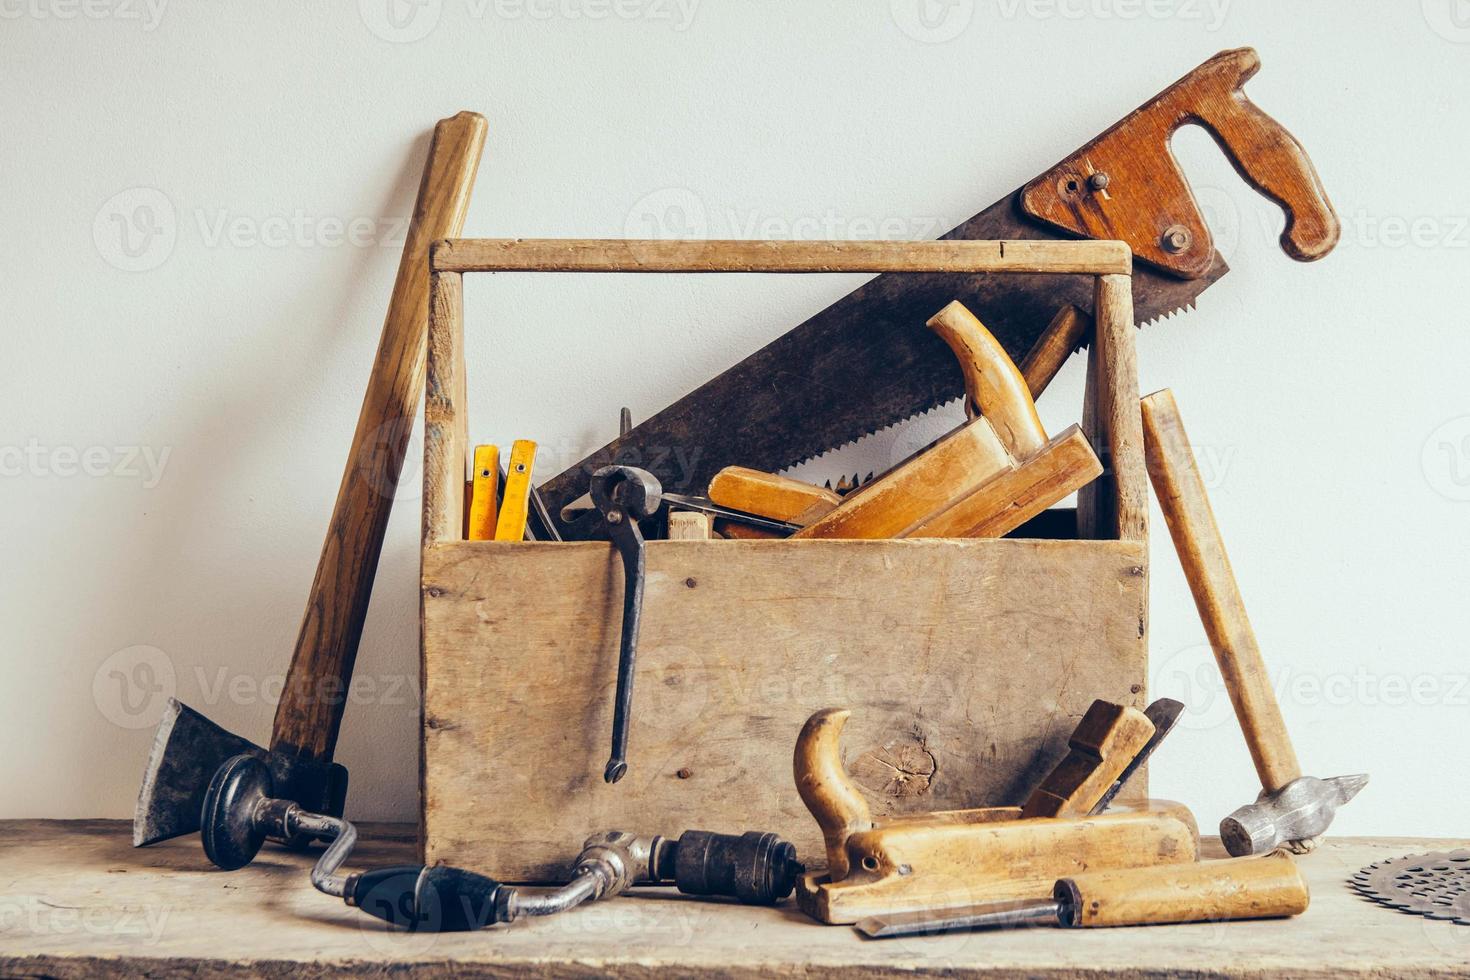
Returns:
(1181, 495)
(310, 710)
(1204, 891)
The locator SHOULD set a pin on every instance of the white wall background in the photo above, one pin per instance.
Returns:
(187, 333)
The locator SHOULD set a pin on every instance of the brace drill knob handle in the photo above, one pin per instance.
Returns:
(626, 495)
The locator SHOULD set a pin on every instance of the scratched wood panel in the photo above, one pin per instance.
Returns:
(966, 664)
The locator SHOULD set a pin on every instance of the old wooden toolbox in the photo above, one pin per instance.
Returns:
(966, 662)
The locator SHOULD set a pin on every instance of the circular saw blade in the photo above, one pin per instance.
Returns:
(1435, 885)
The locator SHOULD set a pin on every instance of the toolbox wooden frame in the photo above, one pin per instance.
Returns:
(966, 662)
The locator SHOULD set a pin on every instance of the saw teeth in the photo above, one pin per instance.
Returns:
(871, 433)
(1165, 315)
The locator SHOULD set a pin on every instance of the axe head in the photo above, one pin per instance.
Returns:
(187, 751)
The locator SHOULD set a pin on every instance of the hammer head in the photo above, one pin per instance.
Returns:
(187, 751)
(1300, 810)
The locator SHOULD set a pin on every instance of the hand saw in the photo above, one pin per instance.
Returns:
(866, 362)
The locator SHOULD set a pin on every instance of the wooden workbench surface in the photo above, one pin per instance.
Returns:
(76, 900)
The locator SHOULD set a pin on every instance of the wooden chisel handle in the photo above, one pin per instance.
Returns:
(1186, 507)
(1204, 891)
(315, 692)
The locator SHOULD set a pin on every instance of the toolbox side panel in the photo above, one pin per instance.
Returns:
(966, 663)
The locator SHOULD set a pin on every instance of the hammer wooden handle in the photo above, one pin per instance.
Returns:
(315, 692)
(1205, 891)
(1186, 507)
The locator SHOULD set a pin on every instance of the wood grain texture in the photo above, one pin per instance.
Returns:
(967, 857)
(1104, 742)
(917, 489)
(1117, 408)
(306, 722)
(1066, 332)
(952, 648)
(994, 386)
(446, 422)
(1186, 505)
(689, 525)
(769, 495)
(87, 906)
(1007, 501)
(1095, 502)
(1126, 183)
(662, 255)
(1207, 891)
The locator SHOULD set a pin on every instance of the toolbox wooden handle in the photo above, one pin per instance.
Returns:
(994, 386)
(309, 713)
(1205, 891)
(1127, 185)
(1201, 549)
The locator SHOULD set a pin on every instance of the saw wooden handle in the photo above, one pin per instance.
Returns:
(994, 386)
(314, 695)
(1127, 185)
(1186, 506)
(1100, 748)
(1204, 891)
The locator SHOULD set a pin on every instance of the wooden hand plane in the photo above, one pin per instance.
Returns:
(955, 858)
(984, 479)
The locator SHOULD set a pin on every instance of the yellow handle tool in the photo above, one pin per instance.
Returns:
(511, 525)
(483, 490)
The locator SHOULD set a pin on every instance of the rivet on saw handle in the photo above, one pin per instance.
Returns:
(626, 495)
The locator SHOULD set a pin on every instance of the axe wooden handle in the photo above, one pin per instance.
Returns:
(315, 692)
(1186, 507)
(1202, 891)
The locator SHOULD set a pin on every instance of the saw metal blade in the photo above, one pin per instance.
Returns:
(863, 364)
(1435, 885)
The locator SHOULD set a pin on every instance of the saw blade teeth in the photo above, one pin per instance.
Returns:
(1165, 315)
(869, 435)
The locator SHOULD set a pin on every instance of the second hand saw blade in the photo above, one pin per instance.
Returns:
(862, 364)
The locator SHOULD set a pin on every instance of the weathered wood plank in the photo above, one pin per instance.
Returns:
(80, 903)
(971, 659)
(666, 255)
